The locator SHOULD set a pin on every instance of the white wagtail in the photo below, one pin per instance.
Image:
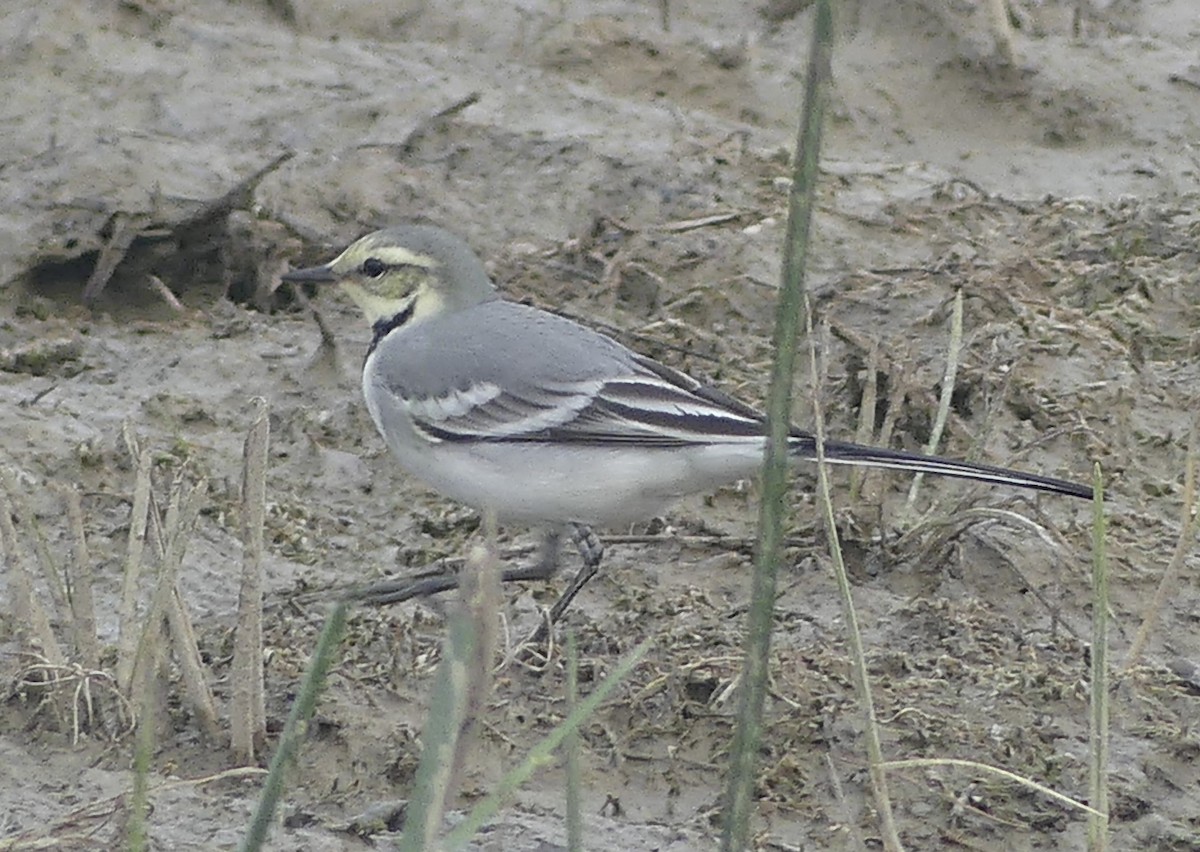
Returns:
(508, 408)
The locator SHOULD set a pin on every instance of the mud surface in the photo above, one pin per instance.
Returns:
(634, 176)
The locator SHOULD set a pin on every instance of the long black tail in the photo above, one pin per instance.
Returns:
(804, 446)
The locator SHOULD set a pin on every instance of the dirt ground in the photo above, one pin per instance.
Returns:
(626, 166)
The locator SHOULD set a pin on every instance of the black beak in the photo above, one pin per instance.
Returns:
(312, 275)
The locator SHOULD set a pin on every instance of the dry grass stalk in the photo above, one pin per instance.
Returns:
(895, 404)
(182, 513)
(79, 585)
(988, 769)
(29, 615)
(87, 693)
(191, 666)
(854, 641)
(18, 508)
(108, 706)
(948, 378)
(866, 417)
(1002, 32)
(129, 634)
(481, 600)
(248, 711)
(187, 651)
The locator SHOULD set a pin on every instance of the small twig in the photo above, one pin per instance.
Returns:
(949, 525)
(237, 196)
(425, 126)
(701, 222)
(125, 229)
(443, 576)
(164, 292)
(895, 403)
(1191, 77)
(37, 397)
(920, 762)
(328, 339)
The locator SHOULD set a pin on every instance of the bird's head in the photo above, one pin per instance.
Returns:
(420, 270)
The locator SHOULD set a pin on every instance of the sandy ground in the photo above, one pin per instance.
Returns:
(633, 174)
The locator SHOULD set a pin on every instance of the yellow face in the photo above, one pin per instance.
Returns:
(405, 270)
(382, 278)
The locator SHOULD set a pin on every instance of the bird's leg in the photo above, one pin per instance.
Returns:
(432, 583)
(590, 548)
(591, 551)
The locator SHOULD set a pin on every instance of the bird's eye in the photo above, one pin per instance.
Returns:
(373, 267)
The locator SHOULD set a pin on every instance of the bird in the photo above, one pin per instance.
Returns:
(512, 409)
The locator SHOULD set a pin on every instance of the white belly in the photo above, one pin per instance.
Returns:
(536, 484)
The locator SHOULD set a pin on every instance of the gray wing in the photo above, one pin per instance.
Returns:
(506, 372)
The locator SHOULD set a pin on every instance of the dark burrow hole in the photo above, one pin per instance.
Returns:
(198, 264)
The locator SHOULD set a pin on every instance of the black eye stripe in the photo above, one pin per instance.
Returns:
(373, 267)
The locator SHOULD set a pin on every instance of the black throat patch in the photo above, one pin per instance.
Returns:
(383, 327)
